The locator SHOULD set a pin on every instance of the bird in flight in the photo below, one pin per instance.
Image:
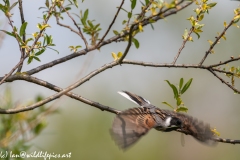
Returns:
(130, 125)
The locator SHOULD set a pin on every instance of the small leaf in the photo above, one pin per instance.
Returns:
(13, 5)
(210, 42)
(201, 17)
(115, 32)
(129, 15)
(36, 58)
(185, 34)
(168, 105)
(75, 3)
(133, 5)
(124, 21)
(9, 33)
(40, 52)
(114, 56)
(146, 2)
(186, 86)
(30, 59)
(119, 55)
(136, 43)
(179, 101)
(23, 28)
(212, 4)
(85, 16)
(182, 109)
(225, 24)
(180, 84)
(174, 88)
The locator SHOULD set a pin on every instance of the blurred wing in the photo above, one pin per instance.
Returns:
(199, 130)
(134, 98)
(130, 125)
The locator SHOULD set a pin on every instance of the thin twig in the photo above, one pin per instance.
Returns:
(66, 26)
(225, 62)
(130, 37)
(232, 141)
(216, 139)
(223, 81)
(79, 29)
(40, 82)
(110, 26)
(215, 42)
(24, 35)
(183, 45)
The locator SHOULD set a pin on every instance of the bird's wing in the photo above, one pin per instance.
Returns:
(130, 125)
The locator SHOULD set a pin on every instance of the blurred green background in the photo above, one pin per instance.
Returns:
(84, 131)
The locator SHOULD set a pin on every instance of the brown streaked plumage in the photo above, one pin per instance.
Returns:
(130, 125)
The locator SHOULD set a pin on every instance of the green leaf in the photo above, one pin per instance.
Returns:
(90, 24)
(136, 43)
(23, 29)
(13, 5)
(179, 101)
(39, 127)
(186, 86)
(124, 21)
(212, 4)
(84, 18)
(75, 3)
(30, 59)
(174, 88)
(47, 3)
(182, 109)
(36, 58)
(40, 52)
(180, 84)
(129, 15)
(119, 55)
(115, 32)
(9, 33)
(133, 5)
(146, 2)
(168, 105)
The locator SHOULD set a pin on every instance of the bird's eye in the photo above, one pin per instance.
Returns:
(178, 122)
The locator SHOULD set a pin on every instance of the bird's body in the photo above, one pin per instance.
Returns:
(131, 124)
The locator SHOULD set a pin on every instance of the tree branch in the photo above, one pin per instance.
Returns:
(24, 35)
(79, 29)
(183, 45)
(223, 81)
(110, 26)
(48, 85)
(216, 41)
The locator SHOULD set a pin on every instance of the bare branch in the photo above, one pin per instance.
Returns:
(66, 26)
(183, 45)
(232, 141)
(79, 29)
(110, 26)
(40, 82)
(223, 81)
(216, 41)
(225, 62)
(130, 37)
(24, 35)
